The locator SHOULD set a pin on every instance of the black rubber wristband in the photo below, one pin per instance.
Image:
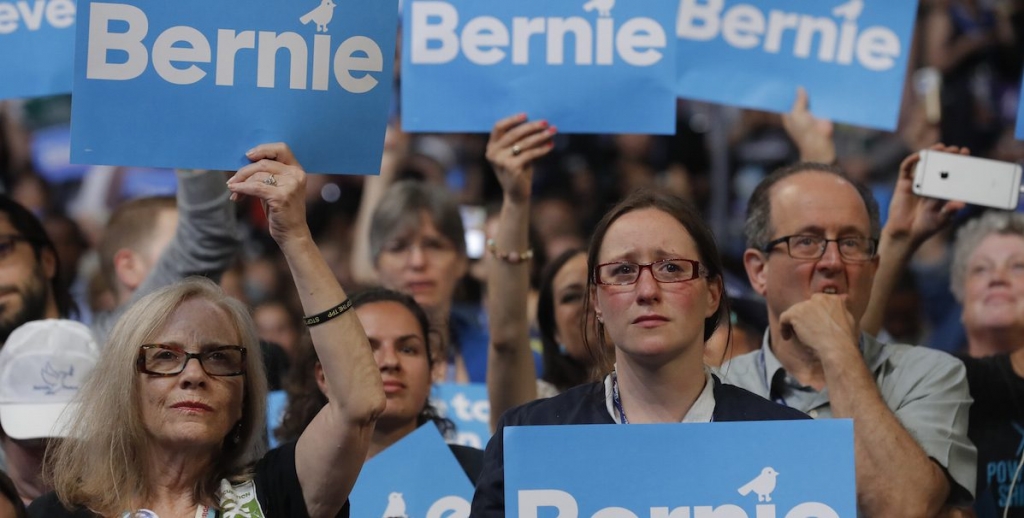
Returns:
(330, 314)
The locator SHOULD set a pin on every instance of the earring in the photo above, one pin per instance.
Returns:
(236, 433)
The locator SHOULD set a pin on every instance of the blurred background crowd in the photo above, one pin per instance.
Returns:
(962, 88)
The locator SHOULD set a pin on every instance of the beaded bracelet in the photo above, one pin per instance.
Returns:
(330, 314)
(509, 257)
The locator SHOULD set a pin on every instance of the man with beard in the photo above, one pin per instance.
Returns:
(29, 287)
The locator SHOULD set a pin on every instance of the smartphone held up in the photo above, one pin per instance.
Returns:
(978, 181)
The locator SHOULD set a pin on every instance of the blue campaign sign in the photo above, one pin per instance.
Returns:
(784, 469)
(466, 405)
(417, 476)
(587, 66)
(850, 55)
(277, 404)
(195, 84)
(38, 42)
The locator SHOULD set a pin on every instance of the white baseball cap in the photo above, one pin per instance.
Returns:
(42, 366)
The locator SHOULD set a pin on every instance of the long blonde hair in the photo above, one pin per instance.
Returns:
(101, 465)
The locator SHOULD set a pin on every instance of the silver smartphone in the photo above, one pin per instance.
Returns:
(978, 181)
(473, 220)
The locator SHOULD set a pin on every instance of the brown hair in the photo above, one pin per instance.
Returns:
(707, 250)
(131, 227)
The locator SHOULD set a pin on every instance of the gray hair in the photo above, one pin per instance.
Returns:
(758, 226)
(970, 236)
(104, 468)
(402, 209)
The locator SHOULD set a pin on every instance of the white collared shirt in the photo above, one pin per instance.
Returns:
(701, 412)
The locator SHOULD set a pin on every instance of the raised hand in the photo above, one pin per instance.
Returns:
(812, 136)
(513, 147)
(917, 217)
(278, 180)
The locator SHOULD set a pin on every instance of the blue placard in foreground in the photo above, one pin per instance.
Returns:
(466, 405)
(417, 476)
(37, 38)
(850, 55)
(195, 84)
(784, 469)
(587, 66)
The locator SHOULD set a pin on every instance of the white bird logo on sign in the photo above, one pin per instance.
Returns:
(321, 14)
(762, 485)
(604, 7)
(396, 506)
(850, 10)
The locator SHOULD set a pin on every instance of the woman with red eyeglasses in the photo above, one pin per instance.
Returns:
(655, 290)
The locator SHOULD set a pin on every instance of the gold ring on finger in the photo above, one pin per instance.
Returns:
(516, 150)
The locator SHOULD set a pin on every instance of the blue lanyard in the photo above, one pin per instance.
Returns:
(764, 375)
(616, 400)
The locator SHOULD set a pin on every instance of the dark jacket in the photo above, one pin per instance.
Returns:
(586, 405)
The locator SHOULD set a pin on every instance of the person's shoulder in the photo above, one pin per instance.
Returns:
(987, 365)
(743, 371)
(734, 403)
(919, 358)
(49, 506)
(470, 459)
(579, 405)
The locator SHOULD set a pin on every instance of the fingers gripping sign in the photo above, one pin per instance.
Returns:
(278, 180)
(821, 323)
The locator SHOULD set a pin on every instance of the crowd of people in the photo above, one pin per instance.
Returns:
(594, 291)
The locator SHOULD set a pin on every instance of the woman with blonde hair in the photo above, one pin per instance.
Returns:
(158, 435)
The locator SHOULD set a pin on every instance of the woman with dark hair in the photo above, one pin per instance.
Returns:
(399, 333)
(567, 363)
(655, 289)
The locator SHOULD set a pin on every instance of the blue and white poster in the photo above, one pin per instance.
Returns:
(466, 405)
(587, 66)
(850, 55)
(784, 469)
(38, 42)
(417, 476)
(195, 84)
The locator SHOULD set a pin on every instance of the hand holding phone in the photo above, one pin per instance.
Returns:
(978, 181)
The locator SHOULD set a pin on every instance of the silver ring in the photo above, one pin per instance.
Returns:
(516, 150)
(270, 180)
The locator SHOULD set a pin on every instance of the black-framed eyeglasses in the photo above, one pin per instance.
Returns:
(854, 249)
(623, 273)
(8, 242)
(170, 360)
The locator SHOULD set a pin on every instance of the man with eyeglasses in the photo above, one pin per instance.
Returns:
(811, 252)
